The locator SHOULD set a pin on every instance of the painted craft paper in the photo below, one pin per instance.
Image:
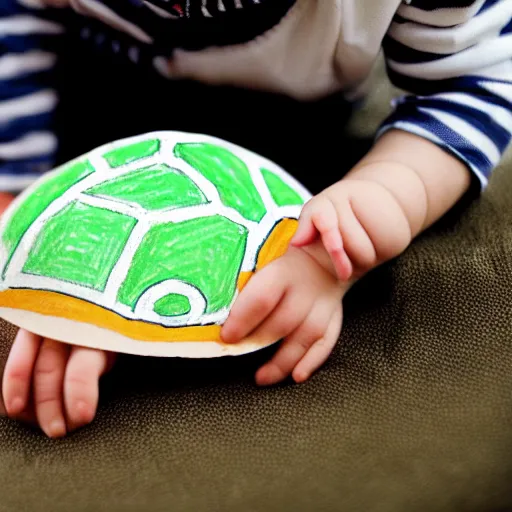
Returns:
(143, 245)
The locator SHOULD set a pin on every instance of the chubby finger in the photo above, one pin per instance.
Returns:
(357, 243)
(333, 244)
(296, 345)
(320, 217)
(81, 384)
(289, 314)
(306, 232)
(27, 415)
(48, 396)
(319, 352)
(342, 264)
(17, 379)
(257, 300)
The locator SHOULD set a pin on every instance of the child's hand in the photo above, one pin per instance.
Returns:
(360, 224)
(52, 384)
(401, 187)
(343, 233)
(294, 298)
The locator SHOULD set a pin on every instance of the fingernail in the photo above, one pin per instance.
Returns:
(85, 412)
(300, 378)
(57, 429)
(16, 405)
(226, 336)
(264, 378)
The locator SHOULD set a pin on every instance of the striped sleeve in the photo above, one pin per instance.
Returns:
(455, 57)
(28, 42)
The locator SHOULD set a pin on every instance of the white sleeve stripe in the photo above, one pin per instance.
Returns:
(504, 90)
(456, 56)
(13, 65)
(426, 134)
(26, 24)
(500, 115)
(445, 41)
(474, 136)
(32, 104)
(483, 55)
(29, 146)
(446, 17)
(501, 71)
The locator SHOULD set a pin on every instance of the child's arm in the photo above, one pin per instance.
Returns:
(401, 187)
(457, 62)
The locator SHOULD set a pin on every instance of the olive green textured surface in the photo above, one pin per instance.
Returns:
(412, 412)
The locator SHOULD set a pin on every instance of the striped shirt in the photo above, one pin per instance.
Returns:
(454, 57)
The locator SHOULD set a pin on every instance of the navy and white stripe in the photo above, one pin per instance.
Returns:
(28, 46)
(457, 60)
(145, 32)
(454, 56)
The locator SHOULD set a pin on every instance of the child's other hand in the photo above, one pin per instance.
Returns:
(294, 298)
(52, 384)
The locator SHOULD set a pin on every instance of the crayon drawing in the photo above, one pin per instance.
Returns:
(150, 238)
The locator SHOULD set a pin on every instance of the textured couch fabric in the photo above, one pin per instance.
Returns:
(413, 412)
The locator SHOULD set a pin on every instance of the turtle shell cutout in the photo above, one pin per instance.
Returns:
(143, 245)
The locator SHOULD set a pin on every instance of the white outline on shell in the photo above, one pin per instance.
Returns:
(257, 231)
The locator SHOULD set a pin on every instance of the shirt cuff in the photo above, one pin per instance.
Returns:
(474, 131)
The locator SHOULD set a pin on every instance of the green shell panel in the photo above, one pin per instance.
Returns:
(172, 305)
(80, 244)
(157, 187)
(228, 173)
(35, 204)
(204, 260)
(282, 193)
(132, 152)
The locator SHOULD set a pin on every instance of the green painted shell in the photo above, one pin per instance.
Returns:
(156, 228)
